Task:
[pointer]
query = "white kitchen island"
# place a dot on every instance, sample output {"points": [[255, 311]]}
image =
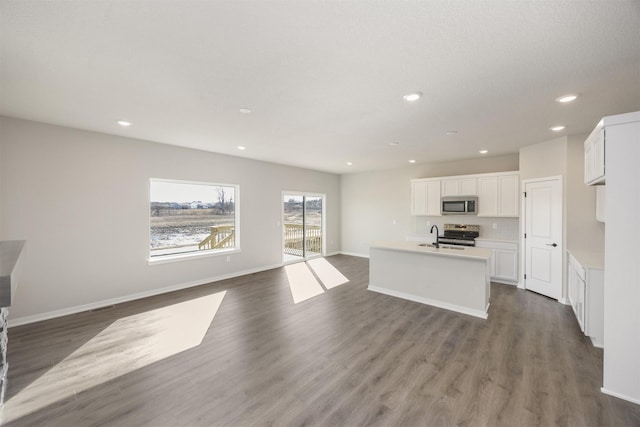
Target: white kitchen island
{"points": [[454, 279]]}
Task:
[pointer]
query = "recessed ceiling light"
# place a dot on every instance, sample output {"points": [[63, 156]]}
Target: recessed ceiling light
{"points": [[566, 98], [412, 97], [412, 161], [349, 163], [123, 123], [483, 151], [245, 110], [557, 128], [451, 132], [241, 147], [394, 144]]}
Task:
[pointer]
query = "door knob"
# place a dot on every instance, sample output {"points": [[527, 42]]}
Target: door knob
{"points": [[552, 244]]}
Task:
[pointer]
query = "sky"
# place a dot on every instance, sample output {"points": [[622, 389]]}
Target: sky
{"points": [[172, 191]]}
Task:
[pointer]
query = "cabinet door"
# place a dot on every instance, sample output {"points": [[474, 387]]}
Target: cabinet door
{"points": [[432, 207], [576, 291], [488, 196], [492, 264], [588, 162], [418, 198], [468, 186], [460, 187], [572, 280], [598, 157], [508, 195], [506, 264], [425, 198], [580, 302], [594, 161], [450, 187]]}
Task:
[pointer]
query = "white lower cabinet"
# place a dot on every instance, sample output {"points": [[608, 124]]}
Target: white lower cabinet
{"points": [[586, 295], [503, 265]]}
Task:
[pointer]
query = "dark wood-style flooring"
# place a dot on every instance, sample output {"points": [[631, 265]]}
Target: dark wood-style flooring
{"points": [[348, 357]]}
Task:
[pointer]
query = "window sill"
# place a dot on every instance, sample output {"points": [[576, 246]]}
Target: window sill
{"points": [[164, 259]]}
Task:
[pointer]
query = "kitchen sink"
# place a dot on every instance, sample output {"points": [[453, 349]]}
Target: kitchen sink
{"points": [[458, 248]]}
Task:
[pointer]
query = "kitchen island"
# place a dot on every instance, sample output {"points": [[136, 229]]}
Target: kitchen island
{"points": [[451, 277]]}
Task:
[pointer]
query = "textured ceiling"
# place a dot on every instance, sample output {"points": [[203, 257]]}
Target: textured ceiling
{"points": [[324, 79]]}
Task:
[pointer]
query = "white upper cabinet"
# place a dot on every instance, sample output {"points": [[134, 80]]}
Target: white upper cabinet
{"points": [[594, 162], [460, 186], [488, 196], [498, 195], [425, 197]]}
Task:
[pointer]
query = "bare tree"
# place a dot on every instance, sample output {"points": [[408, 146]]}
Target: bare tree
{"points": [[221, 198]]}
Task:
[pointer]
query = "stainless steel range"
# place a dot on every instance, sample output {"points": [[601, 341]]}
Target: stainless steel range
{"points": [[460, 234]]}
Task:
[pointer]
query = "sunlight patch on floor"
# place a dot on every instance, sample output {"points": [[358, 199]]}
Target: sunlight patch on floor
{"points": [[127, 344], [302, 283], [327, 273]]}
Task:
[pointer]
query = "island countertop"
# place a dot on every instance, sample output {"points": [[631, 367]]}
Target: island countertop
{"points": [[444, 250], [454, 279]]}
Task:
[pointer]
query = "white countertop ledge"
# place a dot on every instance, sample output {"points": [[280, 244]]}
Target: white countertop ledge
{"points": [[404, 246]]}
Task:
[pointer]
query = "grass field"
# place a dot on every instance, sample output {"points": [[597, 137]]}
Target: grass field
{"points": [[176, 228]]}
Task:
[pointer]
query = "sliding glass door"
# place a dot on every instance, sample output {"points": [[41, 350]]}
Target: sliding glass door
{"points": [[302, 221]]}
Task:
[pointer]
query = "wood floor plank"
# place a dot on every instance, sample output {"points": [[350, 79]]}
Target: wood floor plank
{"points": [[347, 357]]}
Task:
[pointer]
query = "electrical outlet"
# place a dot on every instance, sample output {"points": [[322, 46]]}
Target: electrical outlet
{"points": [[228, 258], [428, 224], [394, 222], [495, 226]]}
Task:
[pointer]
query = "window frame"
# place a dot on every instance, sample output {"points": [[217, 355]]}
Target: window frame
{"points": [[168, 258]]}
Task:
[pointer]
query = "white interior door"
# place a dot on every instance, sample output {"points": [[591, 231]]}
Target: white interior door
{"points": [[543, 237]]}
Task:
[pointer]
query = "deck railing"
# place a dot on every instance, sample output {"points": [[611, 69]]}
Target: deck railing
{"points": [[294, 235], [221, 236]]}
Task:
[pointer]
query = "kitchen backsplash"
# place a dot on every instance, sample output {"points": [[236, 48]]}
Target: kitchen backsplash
{"points": [[506, 228]]}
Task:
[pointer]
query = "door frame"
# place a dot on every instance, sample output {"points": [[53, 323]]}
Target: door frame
{"points": [[523, 221], [324, 223]]}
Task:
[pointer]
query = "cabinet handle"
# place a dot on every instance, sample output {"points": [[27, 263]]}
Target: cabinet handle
{"points": [[552, 244]]}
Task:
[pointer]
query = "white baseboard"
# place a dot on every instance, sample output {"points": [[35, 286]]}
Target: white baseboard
{"points": [[119, 300], [355, 254], [464, 310], [504, 282], [564, 301], [620, 396], [596, 343], [333, 253]]}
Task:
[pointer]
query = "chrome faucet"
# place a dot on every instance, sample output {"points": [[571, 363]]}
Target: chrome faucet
{"points": [[437, 243]]}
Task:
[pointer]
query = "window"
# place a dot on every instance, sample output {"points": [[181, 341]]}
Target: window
{"points": [[192, 217]]}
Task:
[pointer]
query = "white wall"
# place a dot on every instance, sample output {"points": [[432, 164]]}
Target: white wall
{"points": [[372, 201], [564, 156], [81, 200], [583, 231], [548, 158]]}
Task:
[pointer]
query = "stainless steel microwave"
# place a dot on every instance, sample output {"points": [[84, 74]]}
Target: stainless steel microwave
{"points": [[459, 205]]}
